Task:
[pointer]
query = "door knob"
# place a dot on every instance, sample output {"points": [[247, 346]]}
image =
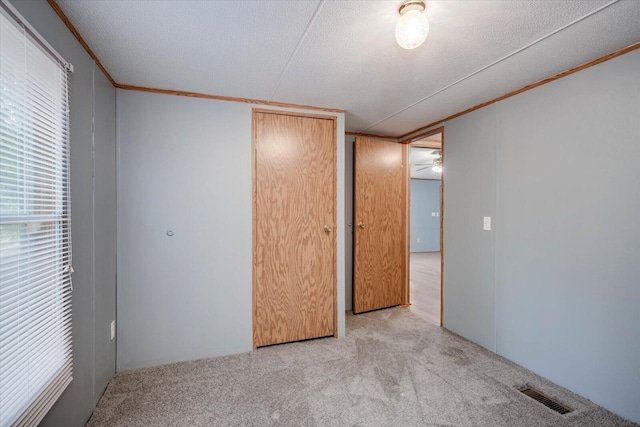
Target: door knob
{"points": [[328, 228], [361, 225]]}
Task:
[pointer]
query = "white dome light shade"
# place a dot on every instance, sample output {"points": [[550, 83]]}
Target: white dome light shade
{"points": [[412, 29]]}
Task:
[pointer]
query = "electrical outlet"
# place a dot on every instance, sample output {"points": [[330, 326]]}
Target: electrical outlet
{"points": [[113, 329], [418, 240]]}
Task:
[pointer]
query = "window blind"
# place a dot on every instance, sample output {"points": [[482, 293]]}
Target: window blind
{"points": [[35, 225]]}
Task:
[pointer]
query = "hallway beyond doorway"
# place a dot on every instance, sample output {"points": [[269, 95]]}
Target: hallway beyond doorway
{"points": [[425, 285]]}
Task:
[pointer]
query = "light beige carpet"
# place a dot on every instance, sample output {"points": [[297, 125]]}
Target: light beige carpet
{"points": [[392, 369]]}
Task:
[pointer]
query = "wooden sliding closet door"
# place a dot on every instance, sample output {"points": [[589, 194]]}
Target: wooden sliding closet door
{"points": [[294, 258]]}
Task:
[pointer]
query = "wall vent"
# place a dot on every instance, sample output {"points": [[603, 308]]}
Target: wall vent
{"points": [[545, 400]]}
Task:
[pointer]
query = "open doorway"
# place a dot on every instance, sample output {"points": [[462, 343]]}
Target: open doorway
{"points": [[425, 227]]}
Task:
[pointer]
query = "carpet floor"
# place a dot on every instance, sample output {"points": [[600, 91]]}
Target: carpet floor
{"points": [[392, 369]]}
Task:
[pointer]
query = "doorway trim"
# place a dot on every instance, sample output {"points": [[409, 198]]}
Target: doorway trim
{"points": [[413, 142]]}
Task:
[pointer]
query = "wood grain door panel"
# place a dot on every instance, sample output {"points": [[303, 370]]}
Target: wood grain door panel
{"points": [[379, 229], [294, 199]]}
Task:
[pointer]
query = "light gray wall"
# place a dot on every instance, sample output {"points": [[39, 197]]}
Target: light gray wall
{"points": [[93, 244], [184, 165], [105, 230], [424, 231], [555, 286], [469, 176]]}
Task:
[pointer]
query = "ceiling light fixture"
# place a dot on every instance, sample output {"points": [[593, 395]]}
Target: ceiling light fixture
{"points": [[413, 28], [437, 165]]}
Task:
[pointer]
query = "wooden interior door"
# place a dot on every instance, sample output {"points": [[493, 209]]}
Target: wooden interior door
{"points": [[294, 257], [379, 278]]}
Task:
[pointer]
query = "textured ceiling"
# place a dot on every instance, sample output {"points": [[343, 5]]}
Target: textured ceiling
{"points": [[342, 54]]}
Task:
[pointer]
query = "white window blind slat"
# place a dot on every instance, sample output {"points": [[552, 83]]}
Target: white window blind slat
{"points": [[34, 245], [36, 382], [17, 305], [19, 259], [14, 293], [46, 355], [39, 409], [43, 260], [14, 297], [13, 172], [16, 335], [43, 127], [43, 151], [24, 245], [42, 353], [35, 233], [39, 135], [47, 360], [34, 165], [18, 311], [32, 219]]}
